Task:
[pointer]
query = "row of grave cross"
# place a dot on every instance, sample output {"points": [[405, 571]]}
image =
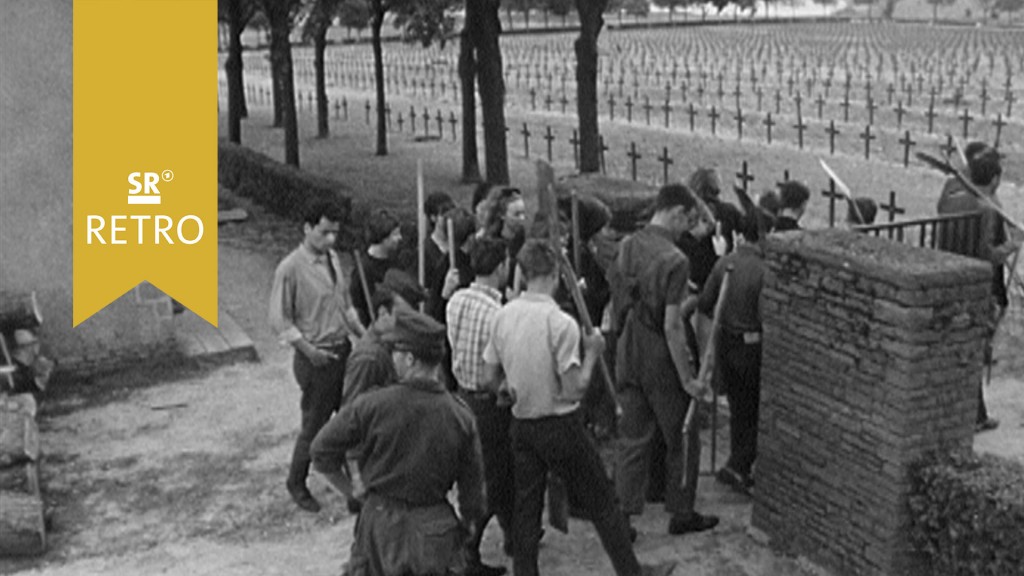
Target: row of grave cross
{"points": [[906, 142], [907, 88], [533, 76], [743, 177]]}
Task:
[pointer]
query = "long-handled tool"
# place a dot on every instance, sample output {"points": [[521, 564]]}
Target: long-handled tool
{"points": [[707, 368]]}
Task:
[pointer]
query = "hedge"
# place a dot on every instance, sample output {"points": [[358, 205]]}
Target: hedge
{"points": [[282, 189], [968, 514]]}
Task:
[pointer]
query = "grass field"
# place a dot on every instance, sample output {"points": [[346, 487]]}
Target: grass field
{"points": [[916, 187]]}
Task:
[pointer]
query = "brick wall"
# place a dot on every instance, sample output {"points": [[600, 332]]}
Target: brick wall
{"points": [[36, 199], [872, 354]]}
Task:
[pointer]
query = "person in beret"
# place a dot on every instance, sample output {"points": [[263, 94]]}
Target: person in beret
{"points": [[414, 441]]}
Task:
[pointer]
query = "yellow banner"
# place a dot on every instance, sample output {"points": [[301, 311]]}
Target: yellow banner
{"points": [[145, 156]]}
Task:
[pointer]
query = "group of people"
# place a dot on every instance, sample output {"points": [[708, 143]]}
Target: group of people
{"points": [[491, 387]]}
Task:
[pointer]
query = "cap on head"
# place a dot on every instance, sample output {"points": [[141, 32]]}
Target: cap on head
{"points": [[404, 285], [417, 333]]}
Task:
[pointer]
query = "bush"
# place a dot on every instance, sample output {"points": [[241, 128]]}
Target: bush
{"points": [[968, 514], [281, 189]]}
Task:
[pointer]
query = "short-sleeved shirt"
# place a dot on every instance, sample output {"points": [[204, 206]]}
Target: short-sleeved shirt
{"points": [[535, 342], [655, 272], [741, 311], [414, 441], [307, 300], [470, 319]]}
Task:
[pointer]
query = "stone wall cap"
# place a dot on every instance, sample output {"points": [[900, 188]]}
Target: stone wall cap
{"points": [[881, 259]]}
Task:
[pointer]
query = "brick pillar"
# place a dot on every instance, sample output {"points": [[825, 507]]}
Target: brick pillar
{"points": [[872, 357]]}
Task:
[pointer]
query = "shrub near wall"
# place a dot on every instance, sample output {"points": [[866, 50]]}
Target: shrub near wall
{"points": [[282, 189], [968, 514]]}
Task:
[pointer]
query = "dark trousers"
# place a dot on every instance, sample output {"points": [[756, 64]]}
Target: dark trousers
{"points": [[321, 396], [493, 423], [656, 407], [740, 366], [560, 444]]}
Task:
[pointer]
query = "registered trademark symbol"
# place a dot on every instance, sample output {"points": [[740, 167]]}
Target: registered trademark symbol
{"points": [[167, 175]]}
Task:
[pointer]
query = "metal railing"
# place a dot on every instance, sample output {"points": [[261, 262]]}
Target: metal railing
{"points": [[959, 233]]}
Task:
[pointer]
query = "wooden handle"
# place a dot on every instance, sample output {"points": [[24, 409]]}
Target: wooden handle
{"points": [[366, 287]]}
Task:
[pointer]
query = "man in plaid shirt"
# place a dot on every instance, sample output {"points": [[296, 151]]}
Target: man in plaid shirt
{"points": [[470, 317]]}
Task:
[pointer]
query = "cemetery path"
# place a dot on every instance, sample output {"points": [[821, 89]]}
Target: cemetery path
{"points": [[180, 471]]}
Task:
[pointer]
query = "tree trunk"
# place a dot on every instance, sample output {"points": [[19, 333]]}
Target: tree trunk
{"points": [[467, 76], [281, 58], [275, 89], [492, 92], [319, 47], [508, 16], [378, 74], [590, 14], [233, 70], [526, 17]]}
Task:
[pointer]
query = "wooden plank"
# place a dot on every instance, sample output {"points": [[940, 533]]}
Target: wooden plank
{"points": [[22, 527], [22, 478], [19, 438], [233, 334]]}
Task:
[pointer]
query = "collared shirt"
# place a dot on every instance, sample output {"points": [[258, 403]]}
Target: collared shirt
{"points": [[470, 316], [535, 342], [655, 272], [741, 311], [414, 440], [369, 367], [305, 302]]}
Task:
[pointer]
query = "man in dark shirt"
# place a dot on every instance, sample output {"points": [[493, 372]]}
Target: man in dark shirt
{"points": [[989, 242], [654, 370], [698, 245], [384, 236], [793, 198], [739, 347], [414, 442], [440, 282]]}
